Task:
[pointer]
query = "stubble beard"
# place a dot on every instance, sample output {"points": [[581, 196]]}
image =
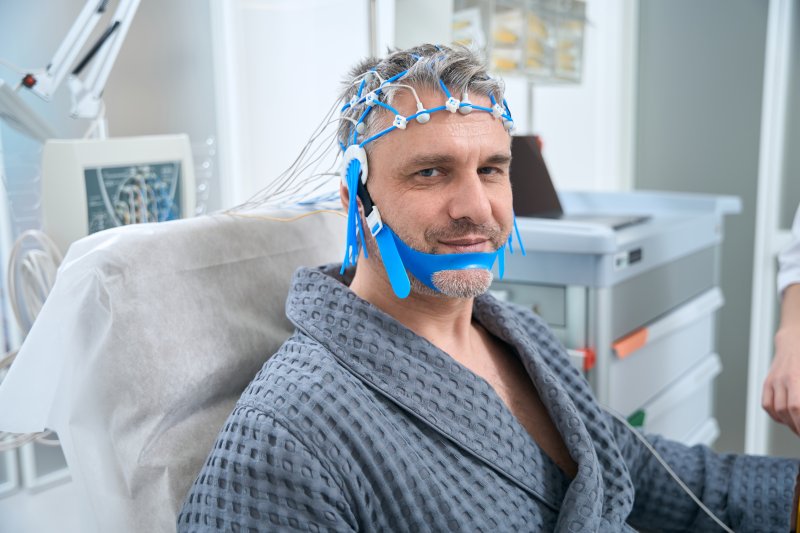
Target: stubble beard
{"points": [[462, 283]]}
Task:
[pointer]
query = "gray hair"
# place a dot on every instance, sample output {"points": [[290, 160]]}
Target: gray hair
{"points": [[459, 68]]}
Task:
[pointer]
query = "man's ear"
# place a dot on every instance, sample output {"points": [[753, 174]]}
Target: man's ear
{"points": [[344, 194]]}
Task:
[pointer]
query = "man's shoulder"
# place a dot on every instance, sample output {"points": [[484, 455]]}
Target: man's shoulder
{"points": [[301, 369]]}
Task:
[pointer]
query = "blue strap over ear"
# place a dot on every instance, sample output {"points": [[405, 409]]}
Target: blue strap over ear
{"points": [[519, 240], [354, 228], [395, 267]]}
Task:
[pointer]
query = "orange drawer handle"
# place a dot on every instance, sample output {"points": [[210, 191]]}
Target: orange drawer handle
{"points": [[630, 343], [589, 358]]}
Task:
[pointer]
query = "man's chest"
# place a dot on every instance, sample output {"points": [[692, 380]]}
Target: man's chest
{"points": [[508, 377]]}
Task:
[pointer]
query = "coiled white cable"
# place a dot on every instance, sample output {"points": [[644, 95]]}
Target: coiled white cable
{"points": [[36, 269], [669, 470]]}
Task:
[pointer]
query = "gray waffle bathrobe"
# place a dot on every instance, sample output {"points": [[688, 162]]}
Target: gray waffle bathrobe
{"points": [[358, 424]]}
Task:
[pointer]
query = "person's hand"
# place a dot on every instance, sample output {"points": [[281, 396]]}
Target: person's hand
{"points": [[781, 393]]}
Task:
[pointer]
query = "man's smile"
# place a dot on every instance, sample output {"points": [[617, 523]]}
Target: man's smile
{"points": [[468, 244]]}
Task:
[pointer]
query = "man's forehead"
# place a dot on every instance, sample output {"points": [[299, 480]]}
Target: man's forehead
{"points": [[442, 156], [451, 145]]}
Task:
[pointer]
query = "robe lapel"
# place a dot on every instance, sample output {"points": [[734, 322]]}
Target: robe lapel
{"points": [[585, 494], [602, 486]]}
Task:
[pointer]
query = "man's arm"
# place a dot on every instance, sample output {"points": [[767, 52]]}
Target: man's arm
{"points": [[781, 393], [260, 476], [748, 493]]}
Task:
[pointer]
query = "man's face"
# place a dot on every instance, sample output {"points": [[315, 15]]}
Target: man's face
{"points": [[444, 187]]}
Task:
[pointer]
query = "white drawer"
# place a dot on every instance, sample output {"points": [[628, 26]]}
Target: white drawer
{"points": [[9, 475], [706, 434], [649, 359], [42, 466], [679, 412]]}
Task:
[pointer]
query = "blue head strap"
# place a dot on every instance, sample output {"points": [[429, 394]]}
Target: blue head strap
{"points": [[397, 256]]}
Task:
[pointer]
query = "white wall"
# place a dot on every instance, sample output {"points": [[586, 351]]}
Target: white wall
{"points": [[700, 90], [279, 67], [422, 21], [587, 129]]}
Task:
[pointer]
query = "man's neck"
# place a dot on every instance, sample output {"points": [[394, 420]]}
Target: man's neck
{"points": [[445, 322]]}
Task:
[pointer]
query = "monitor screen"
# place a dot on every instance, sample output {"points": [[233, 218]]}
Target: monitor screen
{"points": [[90, 185], [534, 193], [130, 194]]}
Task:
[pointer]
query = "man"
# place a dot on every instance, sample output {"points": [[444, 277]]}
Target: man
{"points": [[781, 396], [409, 400]]}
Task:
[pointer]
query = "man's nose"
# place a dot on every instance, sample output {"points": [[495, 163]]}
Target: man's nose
{"points": [[469, 199]]}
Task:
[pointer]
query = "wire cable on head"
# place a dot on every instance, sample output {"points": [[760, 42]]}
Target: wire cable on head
{"points": [[304, 182]]}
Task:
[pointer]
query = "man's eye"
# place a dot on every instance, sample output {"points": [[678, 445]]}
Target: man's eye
{"points": [[429, 173], [488, 170]]}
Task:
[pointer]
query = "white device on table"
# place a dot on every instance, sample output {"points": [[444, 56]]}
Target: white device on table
{"points": [[90, 185]]}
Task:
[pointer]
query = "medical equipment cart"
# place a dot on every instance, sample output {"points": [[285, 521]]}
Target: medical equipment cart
{"points": [[635, 306]]}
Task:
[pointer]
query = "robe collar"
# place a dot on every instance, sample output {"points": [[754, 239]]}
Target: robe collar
{"points": [[460, 405]]}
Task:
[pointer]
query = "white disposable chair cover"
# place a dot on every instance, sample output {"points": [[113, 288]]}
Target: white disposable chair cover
{"points": [[146, 341]]}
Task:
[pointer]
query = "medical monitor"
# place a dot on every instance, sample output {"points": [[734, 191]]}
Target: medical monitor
{"points": [[89, 185], [535, 195]]}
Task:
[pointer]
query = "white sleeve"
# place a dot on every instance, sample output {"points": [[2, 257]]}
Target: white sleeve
{"points": [[789, 259]]}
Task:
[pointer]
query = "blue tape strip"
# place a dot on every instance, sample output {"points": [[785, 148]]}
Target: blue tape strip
{"points": [[395, 270], [354, 229], [508, 110], [444, 88], [378, 135], [519, 237], [501, 264], [387, 106], [395, 77]]}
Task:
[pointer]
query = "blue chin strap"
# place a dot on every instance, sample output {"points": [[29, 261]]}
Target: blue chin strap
{"points": [[397, 256], [424, 265]]}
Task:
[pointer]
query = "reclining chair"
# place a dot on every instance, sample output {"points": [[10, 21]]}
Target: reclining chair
{"points": [[149, 336]]}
